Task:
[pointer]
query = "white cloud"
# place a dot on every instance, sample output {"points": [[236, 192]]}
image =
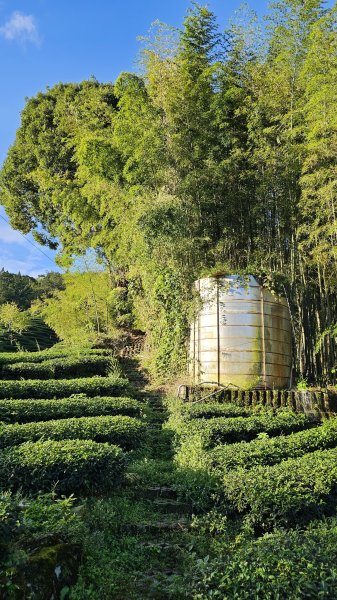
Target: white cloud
{"points": [[20, 27], [17, 254], [10, 236], [28, 261]]}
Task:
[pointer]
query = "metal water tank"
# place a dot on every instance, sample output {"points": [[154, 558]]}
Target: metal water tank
{"points": [[242, 335]]}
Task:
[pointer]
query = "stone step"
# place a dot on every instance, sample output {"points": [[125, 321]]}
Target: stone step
{"points": [[156, 527], [160, 492], [172, 506], [162, 545], [157, 492]]}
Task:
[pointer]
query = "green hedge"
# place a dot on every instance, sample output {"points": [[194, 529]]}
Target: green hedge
{"points": [[25, 411], [77, 467], [7, 358], [36, 535], [58, 368], [285, 565], [272, 451], [94, 386], [292, 491], [223, 430], [126, 432], [38, 336], [213, 409]]}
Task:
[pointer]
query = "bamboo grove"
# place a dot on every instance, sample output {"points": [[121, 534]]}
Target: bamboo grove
{"points": [[219, 154]]}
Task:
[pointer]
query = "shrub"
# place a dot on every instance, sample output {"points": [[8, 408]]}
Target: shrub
{"points": [[272, 451], [223, 430], [94, 386], [56, 352], [295, 490], [31, 531], [213, 409], [282, 565], [73, 466], [126, 432], [25, 411], [58, 368]]}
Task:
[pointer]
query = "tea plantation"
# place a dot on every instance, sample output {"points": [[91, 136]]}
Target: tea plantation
{"points": [[112, 491]]}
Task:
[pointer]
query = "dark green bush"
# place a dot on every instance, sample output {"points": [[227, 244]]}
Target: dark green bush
{"points": [[285, 565], [223, 430], [38, 536], [58, 368], [213, 409], [79, 467], [271, 451], [25, 411], [56, 352], [93, 386], [292, 491], [126, 432]]}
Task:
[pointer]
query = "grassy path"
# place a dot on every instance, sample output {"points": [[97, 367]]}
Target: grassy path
{"points": [[164, 535], [139, 538]]}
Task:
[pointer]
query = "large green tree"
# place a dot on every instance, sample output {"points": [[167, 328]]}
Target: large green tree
{"points": [[219, 155]]}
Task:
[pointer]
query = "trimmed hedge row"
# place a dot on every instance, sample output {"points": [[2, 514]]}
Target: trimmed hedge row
{"points": [[223, 430], [36, 388], [58, 368], [213, 409], [126, 432], [272, 451], [73, 466], [285, 565], [292, 491], [26, 411], [37, 357]]}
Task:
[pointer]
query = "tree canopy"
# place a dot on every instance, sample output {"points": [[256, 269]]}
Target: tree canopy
{"points": [[220, 155]]}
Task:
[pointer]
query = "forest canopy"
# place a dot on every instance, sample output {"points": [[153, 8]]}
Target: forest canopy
{"points": [[220, 154]]}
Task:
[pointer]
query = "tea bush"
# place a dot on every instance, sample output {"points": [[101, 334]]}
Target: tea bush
{"points": [[36, 536], [292, 491], [224, 430], [213, 409], [126, 432], [93, 386], [271, 451], [282, 565], [25, 411], [79, 467], [58, 368], [56, 352]]}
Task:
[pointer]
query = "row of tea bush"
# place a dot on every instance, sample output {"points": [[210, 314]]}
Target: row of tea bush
{"points": [[126, 432], [58, 368], [61, 388], [78, 405]]}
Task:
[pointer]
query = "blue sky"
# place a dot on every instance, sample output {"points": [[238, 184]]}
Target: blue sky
{"points": [[43, 42]]}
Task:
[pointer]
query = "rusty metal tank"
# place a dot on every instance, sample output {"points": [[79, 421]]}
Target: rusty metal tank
{"points": [[242, 335]]}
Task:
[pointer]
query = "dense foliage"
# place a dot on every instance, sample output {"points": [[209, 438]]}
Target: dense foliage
{"points": [[35, 534], [222, 430], [285, 565], [220, 156], [57, 352], [88, 309], [256, 533], [59, 388], [23, 290], [296, 490], [268, 451], [213, 409], [26, 411], [123, 431], [58, 368], [19, 327], [72, 466]]}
